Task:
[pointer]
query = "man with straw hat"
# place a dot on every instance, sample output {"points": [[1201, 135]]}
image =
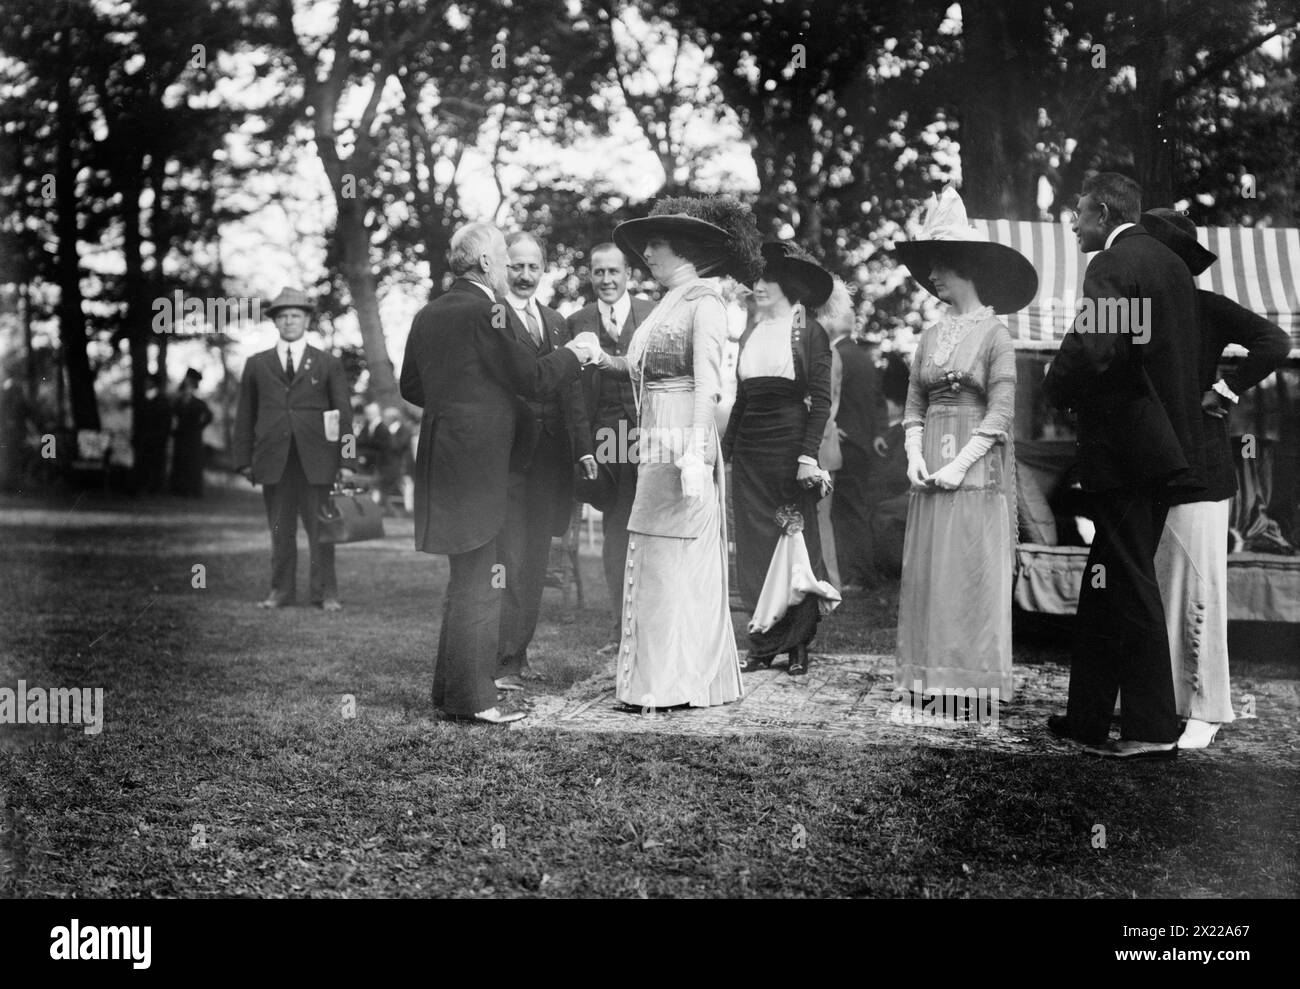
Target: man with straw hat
{"points": [[292, 399]]}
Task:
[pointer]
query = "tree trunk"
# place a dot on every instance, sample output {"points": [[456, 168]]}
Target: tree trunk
{"points": [[437, 242], [138, 315], [1152, 120], [72, 321], [997, 113], [353, 238]]}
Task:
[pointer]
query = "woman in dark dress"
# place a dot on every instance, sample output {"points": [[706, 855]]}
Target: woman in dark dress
{"points": [[783, 400], [192, 417]]}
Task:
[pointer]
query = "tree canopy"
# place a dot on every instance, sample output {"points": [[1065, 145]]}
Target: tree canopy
{"points": [[147, 144]]}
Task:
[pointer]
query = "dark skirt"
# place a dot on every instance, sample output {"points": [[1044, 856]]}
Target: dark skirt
{"points": [[764, 467], [187, 463]]}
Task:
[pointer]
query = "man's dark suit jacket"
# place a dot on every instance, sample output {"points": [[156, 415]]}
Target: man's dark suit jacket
{"points": [[272, 409], [862, 413], [465, 367], [1138, 405], [1224, 322], [561, 412], [609, 399]]}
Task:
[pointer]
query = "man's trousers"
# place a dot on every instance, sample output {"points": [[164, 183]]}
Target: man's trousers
{"points": [[287, 501], [1122, 644]]}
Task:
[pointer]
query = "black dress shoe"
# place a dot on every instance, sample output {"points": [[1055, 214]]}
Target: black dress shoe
{"points": [[755, 663], [798, 661], [1130, 749], [1059, 725]]}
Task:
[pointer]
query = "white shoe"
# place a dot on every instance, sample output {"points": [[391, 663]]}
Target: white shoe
{"points": [[1198, 734], [494, 716]]}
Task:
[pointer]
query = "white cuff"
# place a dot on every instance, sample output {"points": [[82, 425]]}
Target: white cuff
{"points": [[1225, 391]]}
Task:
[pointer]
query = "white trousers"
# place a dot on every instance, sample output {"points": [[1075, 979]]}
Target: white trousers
{"points": [[1192, 568]]}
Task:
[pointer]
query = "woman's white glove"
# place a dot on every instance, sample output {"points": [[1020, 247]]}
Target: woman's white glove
{"points": [[696, 475], [950, 475], [916, 472]]}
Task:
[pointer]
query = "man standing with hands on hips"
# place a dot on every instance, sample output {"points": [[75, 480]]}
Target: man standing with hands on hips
{"points": [[611, 411], [292, 400]]}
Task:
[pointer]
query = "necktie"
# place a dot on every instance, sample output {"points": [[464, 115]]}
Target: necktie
{"points": [[533, 328], [288, 361], [611, 324]]}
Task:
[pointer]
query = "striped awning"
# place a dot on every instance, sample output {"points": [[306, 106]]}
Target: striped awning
{"points": [[1258, 267]]}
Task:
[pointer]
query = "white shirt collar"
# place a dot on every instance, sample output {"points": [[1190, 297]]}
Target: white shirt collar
{"points": [[297, 348], [1115, 233], [621, 308], [520, 304], [483, 288]]}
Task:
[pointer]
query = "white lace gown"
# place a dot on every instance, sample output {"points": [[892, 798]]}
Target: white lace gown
{"points": [[678, 645]]}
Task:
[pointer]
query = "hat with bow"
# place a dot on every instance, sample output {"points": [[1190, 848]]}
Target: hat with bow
{"points": [[1007, 281]]}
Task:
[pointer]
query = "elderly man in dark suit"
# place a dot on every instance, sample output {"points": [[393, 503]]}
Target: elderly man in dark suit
{"points": [[292, 400], [611, 412], [465, 367], [1129, 369], [551, 437]]}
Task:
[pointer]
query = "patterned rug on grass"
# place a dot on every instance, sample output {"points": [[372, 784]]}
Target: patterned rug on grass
{"points": [[852, 697]]}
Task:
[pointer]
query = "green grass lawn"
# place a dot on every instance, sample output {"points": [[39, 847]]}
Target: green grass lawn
{"points": [[226, 766]]}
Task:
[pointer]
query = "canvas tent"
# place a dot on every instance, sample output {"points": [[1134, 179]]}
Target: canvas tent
{"points": [[1259, 268]]}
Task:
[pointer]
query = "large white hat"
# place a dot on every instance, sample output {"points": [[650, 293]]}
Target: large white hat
{"points": [[1007, 279]]}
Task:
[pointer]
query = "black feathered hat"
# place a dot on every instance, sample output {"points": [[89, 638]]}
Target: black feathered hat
{"points": [[786, 256], [723, 224]]}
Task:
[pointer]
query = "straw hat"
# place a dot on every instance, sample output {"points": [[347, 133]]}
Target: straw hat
{"points": [[1008, 281], [291, 298]]}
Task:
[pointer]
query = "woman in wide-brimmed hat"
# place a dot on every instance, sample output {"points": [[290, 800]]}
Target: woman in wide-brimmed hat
{"points": [[1192, 558], [677, 645], [954, 610], [783, 399]]}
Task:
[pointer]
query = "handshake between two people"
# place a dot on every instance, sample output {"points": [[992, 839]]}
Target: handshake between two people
{"points": [[587, 349]]}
